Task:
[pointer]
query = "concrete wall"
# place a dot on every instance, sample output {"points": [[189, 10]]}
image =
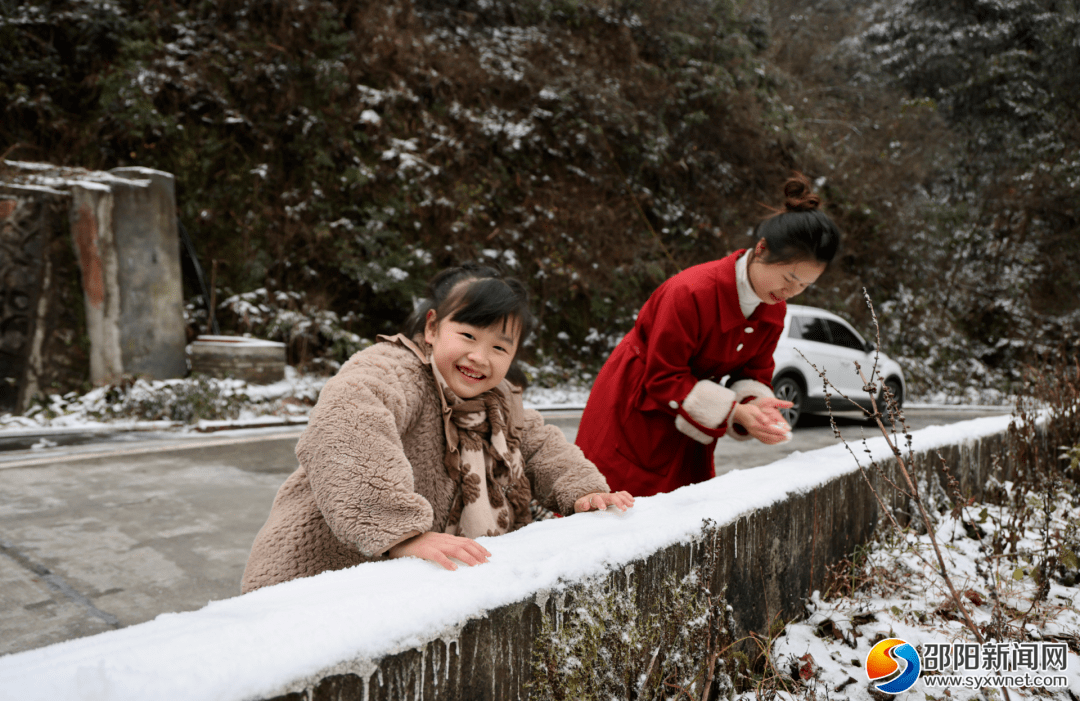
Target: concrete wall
{"points": [[770, 560], [41, 319], [23, 231]]}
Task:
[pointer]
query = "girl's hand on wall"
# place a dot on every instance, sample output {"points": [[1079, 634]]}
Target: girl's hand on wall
{"points": [[762, 420], [601, 500], [439, 548]]}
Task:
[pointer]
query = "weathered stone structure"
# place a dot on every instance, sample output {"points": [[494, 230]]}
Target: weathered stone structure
{"points": [[116, 232], [250, 359], [42, 324]]}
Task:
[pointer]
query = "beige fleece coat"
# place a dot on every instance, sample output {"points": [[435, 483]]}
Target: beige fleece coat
{"points": [[371, 470]]}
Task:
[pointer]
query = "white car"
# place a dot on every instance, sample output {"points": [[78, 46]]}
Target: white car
{"points": [[832, 345]]}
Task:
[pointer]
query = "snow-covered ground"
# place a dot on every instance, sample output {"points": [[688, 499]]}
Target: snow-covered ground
{"points": [[901, 595], [163, 404], [174, 405], [282, 638]]}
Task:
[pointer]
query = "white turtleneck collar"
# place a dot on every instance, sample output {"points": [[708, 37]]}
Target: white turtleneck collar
{"points": [[748, 299]]}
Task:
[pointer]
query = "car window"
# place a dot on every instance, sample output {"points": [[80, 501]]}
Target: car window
{"points": [[810, 328], [843, 336]]}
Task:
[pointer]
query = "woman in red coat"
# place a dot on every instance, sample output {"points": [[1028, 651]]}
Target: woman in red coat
{"points": [[657, 406]]}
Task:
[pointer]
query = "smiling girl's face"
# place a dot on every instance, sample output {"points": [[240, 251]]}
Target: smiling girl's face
{"points": [[471, 359]]}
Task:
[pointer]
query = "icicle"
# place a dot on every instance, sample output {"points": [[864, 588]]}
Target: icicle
{"points": [[542, 599], [448, 644], [423, 668], [447, 641], [435, 660], [559, 599]]}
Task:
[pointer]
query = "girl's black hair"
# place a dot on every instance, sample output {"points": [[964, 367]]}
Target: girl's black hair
{"points": [[480, 295], [800, 231]]}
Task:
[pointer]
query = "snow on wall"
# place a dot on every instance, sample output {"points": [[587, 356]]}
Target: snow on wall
{"points": [[285, 638], [63, 178]]}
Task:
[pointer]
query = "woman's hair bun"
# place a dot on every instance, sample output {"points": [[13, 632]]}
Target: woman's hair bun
{"points": [[798, 197], [800, 230]]}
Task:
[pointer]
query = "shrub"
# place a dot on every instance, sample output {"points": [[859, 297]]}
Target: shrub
{"points": [[604, 642], [186, 401]]}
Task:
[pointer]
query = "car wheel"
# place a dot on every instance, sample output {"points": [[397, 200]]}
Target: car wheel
{"points": [[789, 390], [897, 392]]}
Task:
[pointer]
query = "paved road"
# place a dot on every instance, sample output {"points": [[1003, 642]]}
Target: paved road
{"points": [[106, 532]]}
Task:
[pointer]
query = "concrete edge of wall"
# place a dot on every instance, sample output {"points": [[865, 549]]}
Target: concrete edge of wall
{"points": [[769, 562]]}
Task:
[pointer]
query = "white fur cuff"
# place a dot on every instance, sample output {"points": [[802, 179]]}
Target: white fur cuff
{"points": [[688, 428], [709, 404], [751, 388]]}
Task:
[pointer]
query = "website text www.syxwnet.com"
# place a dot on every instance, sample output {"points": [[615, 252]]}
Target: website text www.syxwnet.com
{"points": [[977, 681]]}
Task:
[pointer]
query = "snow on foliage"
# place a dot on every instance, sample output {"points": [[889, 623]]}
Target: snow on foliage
{"points": [[182, 404], [889, 592], [600, 146]]}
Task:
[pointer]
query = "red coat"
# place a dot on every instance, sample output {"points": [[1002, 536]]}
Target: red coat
{"points": [[690, 329]]}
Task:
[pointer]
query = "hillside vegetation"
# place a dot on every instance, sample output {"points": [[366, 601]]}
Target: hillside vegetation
{"points": [[331, 156]]}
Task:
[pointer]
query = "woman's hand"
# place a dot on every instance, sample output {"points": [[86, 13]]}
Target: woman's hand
{"points": [[601, 500], [762, 419], [439, 548]]}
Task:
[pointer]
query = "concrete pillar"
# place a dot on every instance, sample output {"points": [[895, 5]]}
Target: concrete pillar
{"points": [[149, 326], [92, 235]]}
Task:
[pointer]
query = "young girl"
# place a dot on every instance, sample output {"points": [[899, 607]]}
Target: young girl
{"points": [[419, 445], [657, 408]]}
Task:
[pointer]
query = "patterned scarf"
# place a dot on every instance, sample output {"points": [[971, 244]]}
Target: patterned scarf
{"points": [[483, 454]]}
